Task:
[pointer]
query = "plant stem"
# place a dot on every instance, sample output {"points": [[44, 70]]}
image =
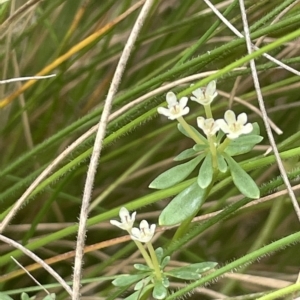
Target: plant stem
{"points": [[154, 261], [188, 129]]}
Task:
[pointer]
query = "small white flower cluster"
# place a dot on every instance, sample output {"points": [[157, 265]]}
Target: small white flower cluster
{"points": [[144, 234], [231, 125]]}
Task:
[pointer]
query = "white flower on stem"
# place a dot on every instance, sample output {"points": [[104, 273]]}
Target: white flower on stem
{"points": [[175, 108], [209, 126], [126, 220], [234, 127], [205, 96], [143, 234]]}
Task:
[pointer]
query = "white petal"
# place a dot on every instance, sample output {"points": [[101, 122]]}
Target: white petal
{"points": [[198, 93], [171, 99], [200, 122], [211, 89], [247, 128], [124, 213], [163, 111], [242, 118], [144, 224], [233, 135], [118, 224], [185, 111], [152, 229], [229, 117], [223, 125], [183, 102]]}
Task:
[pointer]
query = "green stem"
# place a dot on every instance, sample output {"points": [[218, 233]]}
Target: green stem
{"points": [[282, 292], [208, 112], [223, 146], [213, 151], [145, 254], [154, 261], [188, 129]]}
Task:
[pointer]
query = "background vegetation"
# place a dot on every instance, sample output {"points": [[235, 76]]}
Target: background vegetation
{"points": [[81, 41]]}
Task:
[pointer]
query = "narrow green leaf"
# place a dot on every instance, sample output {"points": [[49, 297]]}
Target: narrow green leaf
{"points": [[134, 296], [184, 205], [5, 297], [24, 296], [139, 294], [193, 271], [188, 153], [128, 279], [199, 147], [165, 262], [241, 179], [243, 144], [50, 297], [141, 267], [142, 283], [159, 254], [175, 174], [222, 165], [182, 274], [256, 129], [206, 172], [200, 136], [165, 281], [159, 291]]}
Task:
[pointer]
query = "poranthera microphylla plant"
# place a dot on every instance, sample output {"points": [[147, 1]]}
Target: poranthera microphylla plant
{"points": [[222, 139], [152, 276]]}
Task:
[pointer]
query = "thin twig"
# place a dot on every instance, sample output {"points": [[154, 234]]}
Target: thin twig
{"points": [[264, 112], [236, 32], [25, 78], [38, 260], [98, 147], [29, 275]]}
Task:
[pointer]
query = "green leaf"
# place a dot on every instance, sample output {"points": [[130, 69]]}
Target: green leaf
{"points": [[184, 205], [128, 279], [199, 147], [139, 294], [175, 174], [242, 180], [24, 296], [199, 135], [165, 281], [159, 254], [222, 165], [188, 153], [159, 291], [141, 267], [165, 261], [206, 172], [256, 129], [242, 144], [134, 296], [142, 283], [50, 297], [219, 136], [5, 297], [191, 272]]}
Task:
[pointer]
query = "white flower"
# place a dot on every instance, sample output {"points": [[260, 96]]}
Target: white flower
{"points": [[233, 126], [175, 109], [143, 234], [209, 126], [205, 96], [126, 220]]}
